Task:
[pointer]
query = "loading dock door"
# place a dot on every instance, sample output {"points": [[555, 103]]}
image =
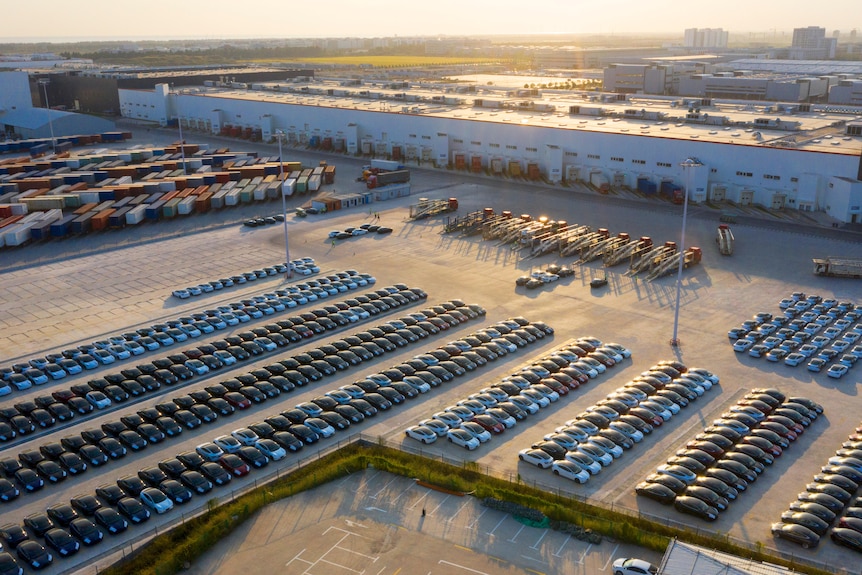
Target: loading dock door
{"points": [[778, 201], [746, 197]]}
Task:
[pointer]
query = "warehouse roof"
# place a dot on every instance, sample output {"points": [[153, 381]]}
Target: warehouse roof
{"points": [[742, 122], [32, 118], [684, 559], [804, 67]]}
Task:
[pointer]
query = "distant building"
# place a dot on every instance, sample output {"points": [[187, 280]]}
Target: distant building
{"points": [[705, 38], [848, 92], [811, 43], [741, 86]]}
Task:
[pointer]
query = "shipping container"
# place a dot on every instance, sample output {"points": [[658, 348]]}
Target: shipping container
{"points": [[99, 221], [82, 224], [61, 227], [186, 206], [118, 218], [153, 211], [314, 183], [136, 215]]}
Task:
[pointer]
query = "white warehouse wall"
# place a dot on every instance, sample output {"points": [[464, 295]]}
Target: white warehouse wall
{"points": [[759, 172]]}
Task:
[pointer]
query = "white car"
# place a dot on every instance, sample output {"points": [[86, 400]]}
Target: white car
{"points": [[181, 294], [227, 443], [525, 403], [584, 461], [156, 500], [450, 419], [571, 471], [209, 451], [536, 457], [595, 452], [98, 399], [564, 440], [271, 449], [836, 371], [225, 356], [460, 411], [421, 433], [245, 436], [436, 426], [621, 349], [794, 359], [476, 431], [536, 397], [629, 431], [462, 438], [705, 373], [623, 566]]}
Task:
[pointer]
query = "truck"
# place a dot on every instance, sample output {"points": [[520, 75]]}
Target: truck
{"points": [[383, 178], [386, 165], [600, 182], [427, 208], [724, 240], [671, 191], [838, 267]]}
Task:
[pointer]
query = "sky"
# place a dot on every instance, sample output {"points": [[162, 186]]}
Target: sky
{"points": [[66, 20]]}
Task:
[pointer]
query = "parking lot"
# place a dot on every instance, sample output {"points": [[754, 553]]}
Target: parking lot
{"points": [[106, 284]]}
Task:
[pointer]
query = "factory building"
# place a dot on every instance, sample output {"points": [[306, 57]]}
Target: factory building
{"points": [[778, 156]]}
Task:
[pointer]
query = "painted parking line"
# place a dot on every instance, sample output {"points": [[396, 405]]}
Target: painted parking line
{"points": [[478, 517], [491, 532], [536, 544], [454, 515], [518, 532], [438, 506], [584, 554], [568, 538], [385, 486], [400, 495], [610, 558], [420, 500], [322, 560], [468, 569]]}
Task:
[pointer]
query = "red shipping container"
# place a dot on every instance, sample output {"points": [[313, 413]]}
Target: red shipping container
{"points": [[100, 220]]}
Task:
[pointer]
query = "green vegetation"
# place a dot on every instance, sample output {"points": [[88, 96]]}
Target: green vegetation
{"points": [[168, 553]]}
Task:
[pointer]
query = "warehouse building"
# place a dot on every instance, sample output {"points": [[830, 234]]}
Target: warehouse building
{"points": [[686, 559], [790, 156], [20, 119]]}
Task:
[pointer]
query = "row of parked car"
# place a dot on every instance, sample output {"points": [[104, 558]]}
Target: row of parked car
{"points": [[121, 347], [723, 460], [549, 275], [53, 462], [812, 330], [362, 230], [303, 266], [473, 419], [174, 481], [25, 417], [836, 486], [582, 446]]}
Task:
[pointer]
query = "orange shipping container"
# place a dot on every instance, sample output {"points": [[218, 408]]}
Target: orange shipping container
{"points": [[10, 220], [100, 220], [85, 208]]}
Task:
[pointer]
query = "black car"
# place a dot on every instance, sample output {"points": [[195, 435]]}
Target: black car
{"points": [[29, 480], [112, 521], [696, 507], [133, 510], [215, 473], [304, 433], [85, 531], [847, 537], [85, 504], [131, 485], [176, 491], [656, 492], [34, 555], [132, 440], [152, 476], [194, 481], [110, 493], [8, 491], [12, 534], [113, 448], [191, 459], [62, 514], [62, 542], [187, 419], [253, 456], [38, 524], [93, 455]]}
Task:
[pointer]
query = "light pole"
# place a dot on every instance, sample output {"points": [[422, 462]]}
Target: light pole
{"points": [[688, 166], [44, 83], [279, 134], [182, 143]]}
